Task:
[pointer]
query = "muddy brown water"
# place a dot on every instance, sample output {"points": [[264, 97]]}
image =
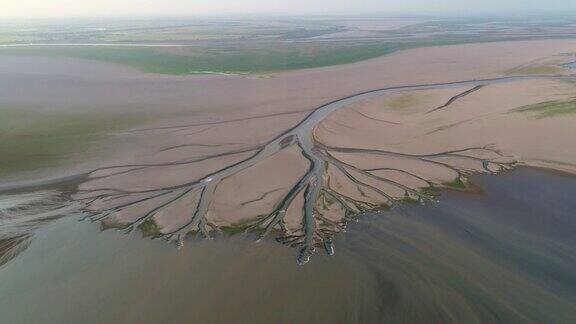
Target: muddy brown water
{"points": [[507, 255]]}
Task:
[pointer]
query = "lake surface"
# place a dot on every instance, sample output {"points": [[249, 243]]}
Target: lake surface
{"points": [[507, 255]]}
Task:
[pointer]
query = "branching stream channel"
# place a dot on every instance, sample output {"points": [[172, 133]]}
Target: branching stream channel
{"points": [[323, 208]]}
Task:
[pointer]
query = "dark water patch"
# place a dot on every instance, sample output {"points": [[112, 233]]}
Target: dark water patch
{"points": [[508, 256]]}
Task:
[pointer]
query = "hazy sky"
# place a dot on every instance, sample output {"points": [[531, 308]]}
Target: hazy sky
{"points": [[35, 8]]}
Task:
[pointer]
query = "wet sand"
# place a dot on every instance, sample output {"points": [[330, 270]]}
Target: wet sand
{"points": [[429, 121], [504, 256]]}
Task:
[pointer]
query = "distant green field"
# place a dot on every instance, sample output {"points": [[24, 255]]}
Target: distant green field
{"points": [[271, 57], [30, 138], [259, 44], [229, 59], [226, 59]]}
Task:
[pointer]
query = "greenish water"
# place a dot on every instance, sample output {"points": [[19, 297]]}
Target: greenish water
{"points": [[506, 256], [32, 138]]}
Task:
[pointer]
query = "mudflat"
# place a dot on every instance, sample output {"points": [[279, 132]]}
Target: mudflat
{"points": [[299, 154]]}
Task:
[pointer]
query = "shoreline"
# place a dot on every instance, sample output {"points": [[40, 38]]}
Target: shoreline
{"points": [[66, 185]]}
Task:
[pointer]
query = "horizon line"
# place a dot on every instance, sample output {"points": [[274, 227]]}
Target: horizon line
{"points": [[381, 14]]}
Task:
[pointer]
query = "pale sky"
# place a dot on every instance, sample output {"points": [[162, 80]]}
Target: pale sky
{"points": [[55, 8]]}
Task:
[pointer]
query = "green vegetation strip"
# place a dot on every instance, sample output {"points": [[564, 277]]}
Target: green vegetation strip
{"points": [[190, 60], [548, 109], [456, 184], [240, 59]]}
